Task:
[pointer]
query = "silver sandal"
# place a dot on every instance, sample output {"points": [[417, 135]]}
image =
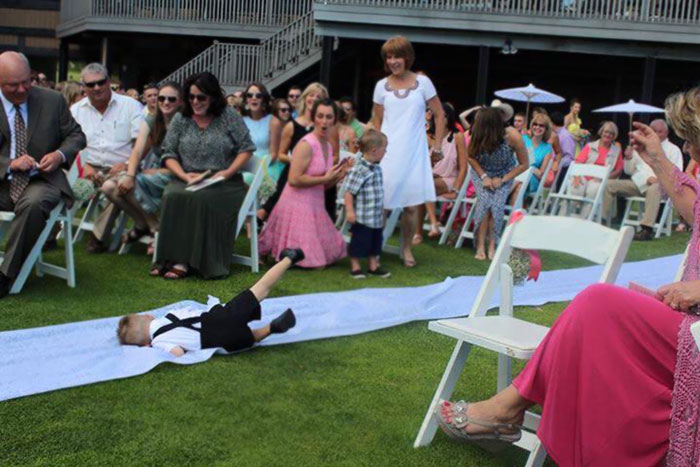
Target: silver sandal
{"points": [[455, 428]]}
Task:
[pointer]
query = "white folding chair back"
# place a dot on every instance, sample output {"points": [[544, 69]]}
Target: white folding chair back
{"points": [[634, 211], [511, 337], [554, 200], [34, 259], [524, 179], [248, 211], [458, 206], [538, 197]]}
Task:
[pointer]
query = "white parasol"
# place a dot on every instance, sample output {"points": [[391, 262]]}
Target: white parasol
{"points": [[529, 94], [631, 107]]}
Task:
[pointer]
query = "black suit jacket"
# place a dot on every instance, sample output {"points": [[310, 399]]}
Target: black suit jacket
{"points": [[51, 127]]}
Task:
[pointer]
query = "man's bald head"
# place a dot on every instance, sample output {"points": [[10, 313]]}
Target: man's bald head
{"points": [[15, 77], [660, 127]]}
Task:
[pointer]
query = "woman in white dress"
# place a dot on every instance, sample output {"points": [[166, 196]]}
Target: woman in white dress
{"points": [[400, 102]]}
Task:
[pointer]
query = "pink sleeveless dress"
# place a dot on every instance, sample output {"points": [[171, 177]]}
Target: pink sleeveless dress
{"points": [[300, 220], [618, 377], [447, 168]]}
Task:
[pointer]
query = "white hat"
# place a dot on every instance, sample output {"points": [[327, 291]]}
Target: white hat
{"points": [[506, 109]]}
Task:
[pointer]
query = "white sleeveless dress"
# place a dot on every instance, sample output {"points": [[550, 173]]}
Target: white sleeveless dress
{"points": [[408, 177]]}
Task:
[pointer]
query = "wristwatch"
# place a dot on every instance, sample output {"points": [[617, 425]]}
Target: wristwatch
{"points": [[484, 175]]}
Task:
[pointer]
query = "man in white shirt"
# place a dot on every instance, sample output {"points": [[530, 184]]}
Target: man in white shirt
{"points": [[643, 182], [111, 123]]}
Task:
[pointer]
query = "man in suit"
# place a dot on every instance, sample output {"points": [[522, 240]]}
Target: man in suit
{"points": [[38, 136]]}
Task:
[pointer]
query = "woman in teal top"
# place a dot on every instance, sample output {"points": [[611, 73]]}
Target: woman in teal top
{"points": [[258, 119], [538, 149]]}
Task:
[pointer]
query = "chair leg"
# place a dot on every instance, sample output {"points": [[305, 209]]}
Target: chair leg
{"points": [[450, 220], [254, 256], [537, 455], [89, 214], [117, 235], [444, 390], [68, 245]]}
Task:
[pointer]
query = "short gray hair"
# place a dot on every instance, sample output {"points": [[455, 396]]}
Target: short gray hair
{"points": [[96, 68], [608, 125]]}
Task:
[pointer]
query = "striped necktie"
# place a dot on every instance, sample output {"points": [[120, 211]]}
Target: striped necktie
{"points": [[19, 180]]}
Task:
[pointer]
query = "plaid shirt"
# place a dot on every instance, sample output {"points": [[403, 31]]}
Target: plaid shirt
{"points": [[364, 182]]}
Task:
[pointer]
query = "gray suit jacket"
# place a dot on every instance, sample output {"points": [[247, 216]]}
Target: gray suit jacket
{"points": [[51, 127]]}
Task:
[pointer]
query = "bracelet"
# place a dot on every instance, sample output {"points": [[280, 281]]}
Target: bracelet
{"points": [[129, 175], [484, 175]]}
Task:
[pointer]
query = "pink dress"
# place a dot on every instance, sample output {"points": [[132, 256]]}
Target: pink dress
{"points": [[604, 376], [447, 168], [300, 220]]}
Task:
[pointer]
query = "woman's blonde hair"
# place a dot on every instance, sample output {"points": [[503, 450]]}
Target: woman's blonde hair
{"points": [[372, 139], [400, 47], [72, 92], [318, 88], [608, 125], [544, 120], [683, 113]]}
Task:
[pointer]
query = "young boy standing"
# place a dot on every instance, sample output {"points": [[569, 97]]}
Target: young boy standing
{"points": [[224, 326], [364, 205]]}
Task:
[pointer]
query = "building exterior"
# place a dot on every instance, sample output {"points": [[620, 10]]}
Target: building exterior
{"points": [[602, 51], [29, 26]]}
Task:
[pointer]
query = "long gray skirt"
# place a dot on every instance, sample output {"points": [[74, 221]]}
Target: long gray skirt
{"points": [[198, 228]]}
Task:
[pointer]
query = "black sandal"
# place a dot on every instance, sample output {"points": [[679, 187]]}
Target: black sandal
{"points": [[134, 235]]}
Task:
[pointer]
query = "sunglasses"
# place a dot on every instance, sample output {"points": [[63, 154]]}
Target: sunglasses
{"points": [[257, 95], [171, 99], [538, 125], [92, 84], [294, 96], [199, 97], [284, 109]]}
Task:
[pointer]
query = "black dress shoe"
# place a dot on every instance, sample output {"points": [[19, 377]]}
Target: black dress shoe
{"points": [[295, 254], [5, 285], [644, 235], [95, 246]]}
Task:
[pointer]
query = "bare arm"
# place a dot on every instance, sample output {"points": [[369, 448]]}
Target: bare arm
{"points": [[462, 162], [648, 146], [174, 166], [238, 162], [300, 162], [275, 137], [515, 141], [349, 207], [285, 143], [177, 351], [435, 105], [377, 116], [141, 147]]}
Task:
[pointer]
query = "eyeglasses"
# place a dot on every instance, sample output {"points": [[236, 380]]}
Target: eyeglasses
{"points": [[538, 125], [171, 99], [294, 96], [92, 84], [199, 97], [257, 95], [284, 109]]}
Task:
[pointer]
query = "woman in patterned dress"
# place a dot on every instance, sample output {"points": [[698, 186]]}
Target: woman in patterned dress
{"points": [[490, 153]]}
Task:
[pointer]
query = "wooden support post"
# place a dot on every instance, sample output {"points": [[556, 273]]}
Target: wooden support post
{"points": [[326, 59], [482, 75]]}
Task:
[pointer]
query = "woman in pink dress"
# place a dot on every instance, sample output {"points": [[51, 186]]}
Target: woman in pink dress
{"points": [[619, 370], [299, 219]]}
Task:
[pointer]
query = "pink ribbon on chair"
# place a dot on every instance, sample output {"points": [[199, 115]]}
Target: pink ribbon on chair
{"points": [[535, 259]]}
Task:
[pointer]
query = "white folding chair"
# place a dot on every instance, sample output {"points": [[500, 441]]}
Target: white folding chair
{"points": [[248, 211], [634, 211], [60, 213], [92, 212], [538, 196], [511, 337], [459, 204], [552, 204], [524, 179]]}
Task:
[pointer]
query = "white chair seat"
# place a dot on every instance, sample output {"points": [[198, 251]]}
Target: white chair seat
{"points": [[502, 334]]}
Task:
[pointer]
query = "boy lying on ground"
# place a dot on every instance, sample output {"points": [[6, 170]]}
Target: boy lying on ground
{"points": [[224, 326]]}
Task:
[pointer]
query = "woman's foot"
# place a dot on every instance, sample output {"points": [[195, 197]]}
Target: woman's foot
{"points": [[151, 248], [492, 250], [179, 271], [481, 418], [157, 270], [480, 254], [434, 231], [417, 239], [680, 227], [408, 260]]}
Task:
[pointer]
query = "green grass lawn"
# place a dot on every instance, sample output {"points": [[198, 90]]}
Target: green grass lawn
{"points": [[350, 401]]}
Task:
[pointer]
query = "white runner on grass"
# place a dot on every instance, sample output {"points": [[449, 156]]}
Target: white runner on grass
{"points": [[38, 360]]}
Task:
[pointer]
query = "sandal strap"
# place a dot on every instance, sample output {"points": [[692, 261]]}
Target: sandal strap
{"points": [[461, 420]]}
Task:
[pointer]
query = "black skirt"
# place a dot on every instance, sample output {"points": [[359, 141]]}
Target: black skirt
{"points": [[226, 326]]}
